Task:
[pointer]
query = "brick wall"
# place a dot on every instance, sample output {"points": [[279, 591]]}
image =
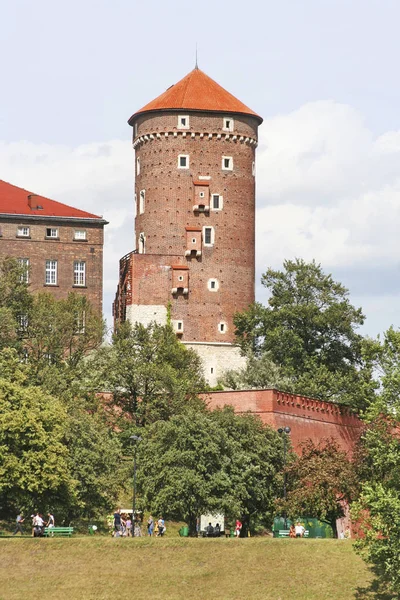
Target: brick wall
{"points": [[65, 250], [307, 417]]}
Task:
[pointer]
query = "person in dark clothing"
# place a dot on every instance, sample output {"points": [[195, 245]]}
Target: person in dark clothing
{"points": [[217, 530], [18, 527], [117, 521], [210, 530]]}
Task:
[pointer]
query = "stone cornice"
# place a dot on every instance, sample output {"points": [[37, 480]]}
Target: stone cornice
{"points": [[227, 137]]}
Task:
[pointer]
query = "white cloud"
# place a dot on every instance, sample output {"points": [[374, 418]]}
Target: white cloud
{"points": [[326, 189]]}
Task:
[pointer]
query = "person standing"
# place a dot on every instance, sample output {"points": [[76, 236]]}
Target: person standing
{"points": [[128, 526], [51, 521], [238, 527], [161, 527], [117, 522], [150, 526], [19, 521]]}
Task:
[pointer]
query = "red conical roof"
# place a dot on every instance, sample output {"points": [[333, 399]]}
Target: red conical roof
{"points": [[197, 91]]}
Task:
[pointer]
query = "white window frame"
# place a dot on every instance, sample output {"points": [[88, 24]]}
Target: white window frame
{"points": [[24, 264], [80, 234], [177, 326], [253, 168], [23, 231], [79, 273], [208, 245], [186, 125], [210, 282], [222, 327], [180, 278], [22, 322], [202, 195], [229, 127], [51, 273], [142, 201], [80, 322], [187, 161], [138, 165], [230, 167], [53, 232], [221, 202], [136, 211]]}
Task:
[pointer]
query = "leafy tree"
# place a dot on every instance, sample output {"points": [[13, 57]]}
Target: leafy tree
{"points": [[385, 355], [33, 458], [215, 462], [15, 301], [320, 482], [378, 508], [308, 316], [150, 373], [58, 337], [305, 341]]}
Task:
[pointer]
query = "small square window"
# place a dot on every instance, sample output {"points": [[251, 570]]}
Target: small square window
{"points": [[180, 277], [180, 325], [213, 285], [183, 122], [201, 194], [193, 240], [228, 124], [183, 161], [80, 234], [227, 163], [222, 327], [51, 232], [23, 232]]}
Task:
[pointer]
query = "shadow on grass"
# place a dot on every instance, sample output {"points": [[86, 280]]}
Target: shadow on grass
{"points": [[376, 590]]}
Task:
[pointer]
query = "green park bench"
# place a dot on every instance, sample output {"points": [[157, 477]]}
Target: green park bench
{"points": [[285, 533], [58, 531]]}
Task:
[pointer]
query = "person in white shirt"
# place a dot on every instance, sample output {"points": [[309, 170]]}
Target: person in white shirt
{"points": [[299, 529]]}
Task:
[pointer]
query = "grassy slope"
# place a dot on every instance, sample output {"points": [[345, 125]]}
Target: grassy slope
{"points": [[104, 568]]}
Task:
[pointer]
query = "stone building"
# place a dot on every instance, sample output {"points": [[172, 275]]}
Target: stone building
{"points": [[195, 149], [60, 246]]}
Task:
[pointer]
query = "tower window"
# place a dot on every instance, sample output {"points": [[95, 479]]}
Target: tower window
{"points": [[208, 236], [180, 277], [136, 129], [142, 197], [194, 240], [228, 124], [227, 163], [213, 285], [183, 122], [183, 161], [138, 166], [222, 328], [253, 168], [201, 194], [216, 202], [135, 207]]}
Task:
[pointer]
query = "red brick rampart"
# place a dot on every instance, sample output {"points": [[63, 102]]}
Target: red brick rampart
{"points": [[308, 418]]}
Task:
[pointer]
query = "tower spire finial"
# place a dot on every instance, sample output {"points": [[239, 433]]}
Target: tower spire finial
{"points": [[196, 65]]}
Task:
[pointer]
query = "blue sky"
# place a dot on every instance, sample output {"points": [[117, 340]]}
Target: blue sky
{"points": [[323, 74]]}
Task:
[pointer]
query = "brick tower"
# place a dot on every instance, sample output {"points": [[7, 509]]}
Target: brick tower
{"points": [[195, 218]]}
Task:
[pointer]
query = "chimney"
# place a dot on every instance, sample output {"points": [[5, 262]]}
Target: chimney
{"points": [[30, 196]]}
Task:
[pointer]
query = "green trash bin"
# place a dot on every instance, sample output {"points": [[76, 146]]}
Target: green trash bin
{"points": [[91, 530], [232, 533], [184, 531]]}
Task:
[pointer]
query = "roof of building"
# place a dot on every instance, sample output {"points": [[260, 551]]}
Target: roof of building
{"points": [[197, 91], [17, 201]]}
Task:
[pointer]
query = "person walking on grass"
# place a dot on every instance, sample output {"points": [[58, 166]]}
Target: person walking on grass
{"points": [[238, 527], [150, 526], [19, 521]]}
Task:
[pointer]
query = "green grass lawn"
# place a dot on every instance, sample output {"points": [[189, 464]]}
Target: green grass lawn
{"points": [[102, 568]]}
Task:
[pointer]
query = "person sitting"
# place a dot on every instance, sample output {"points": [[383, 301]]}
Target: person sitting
{"points": [[292, 531], [217, 530], [210, 530]]}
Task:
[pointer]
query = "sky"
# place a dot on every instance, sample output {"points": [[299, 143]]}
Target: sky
{"points": [[322, 73]]}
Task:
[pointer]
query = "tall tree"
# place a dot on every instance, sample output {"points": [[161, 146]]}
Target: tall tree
{"points": [[215, 462], [321, 481], [378, 508], [15, 301], [151, 374]]}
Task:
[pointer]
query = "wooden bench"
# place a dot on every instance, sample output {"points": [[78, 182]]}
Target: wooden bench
{"points": [[58, 531], [285, 533]]}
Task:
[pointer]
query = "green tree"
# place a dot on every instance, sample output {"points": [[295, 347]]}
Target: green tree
{"points": [[215, 462], [378, 507], [150, 373], [33, 457], [260, 372], [306, 338], [15, 301], [321, 481]]}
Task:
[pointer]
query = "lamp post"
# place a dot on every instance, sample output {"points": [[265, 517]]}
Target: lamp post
{"points": [[286, 431], [135, 439]]}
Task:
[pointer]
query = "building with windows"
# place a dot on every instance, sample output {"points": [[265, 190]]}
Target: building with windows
{"points": [[195, 149], [60, 246]]}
